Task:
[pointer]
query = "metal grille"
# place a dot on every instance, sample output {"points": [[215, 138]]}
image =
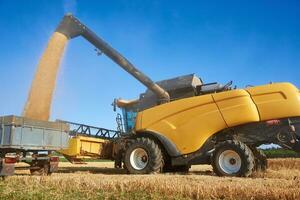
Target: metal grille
{"points": [[91, 131]]}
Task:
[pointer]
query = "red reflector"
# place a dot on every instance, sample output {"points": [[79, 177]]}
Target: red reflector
{"points": [[273, 122], [54, 159], [9, 160]]}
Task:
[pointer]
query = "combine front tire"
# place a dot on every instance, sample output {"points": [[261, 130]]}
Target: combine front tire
{"points": [[143, 156], [233, 158]]}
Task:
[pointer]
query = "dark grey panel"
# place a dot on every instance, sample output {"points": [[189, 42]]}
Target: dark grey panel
{"points": [[178, 88]]}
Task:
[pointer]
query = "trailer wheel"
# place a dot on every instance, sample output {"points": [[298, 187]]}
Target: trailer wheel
{"points": [[233, 158], [143, 156], [40, 168], [261, 162]]}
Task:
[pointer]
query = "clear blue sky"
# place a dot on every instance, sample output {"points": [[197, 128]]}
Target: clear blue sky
{"points": [[249, 42]]}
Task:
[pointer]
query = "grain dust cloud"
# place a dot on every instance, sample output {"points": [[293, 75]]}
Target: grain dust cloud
{"points": [[39, 100]]}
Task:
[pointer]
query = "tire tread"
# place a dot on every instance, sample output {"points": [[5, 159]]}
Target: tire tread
{"points": [[249, 161]]}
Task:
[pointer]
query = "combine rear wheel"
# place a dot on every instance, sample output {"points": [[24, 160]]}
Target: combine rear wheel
{"points": [[143, 156], [233, 158], [261, 162]]}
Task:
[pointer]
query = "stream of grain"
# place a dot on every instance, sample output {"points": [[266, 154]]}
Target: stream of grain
{"points": [[39, 100]]}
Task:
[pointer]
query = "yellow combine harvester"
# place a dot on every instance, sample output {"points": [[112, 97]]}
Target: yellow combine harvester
{"points": [[182, 121]]}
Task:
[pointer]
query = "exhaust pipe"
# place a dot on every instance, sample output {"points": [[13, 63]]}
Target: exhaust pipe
{"points": [[72, 27]]}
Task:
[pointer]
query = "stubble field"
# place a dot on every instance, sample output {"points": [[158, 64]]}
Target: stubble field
{"points": [[98, 180]]}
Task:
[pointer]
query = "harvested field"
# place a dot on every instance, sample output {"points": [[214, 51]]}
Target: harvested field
{"points": [[98, 180]]}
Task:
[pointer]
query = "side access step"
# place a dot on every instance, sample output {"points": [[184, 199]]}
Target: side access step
{"points": [[74, 160]]}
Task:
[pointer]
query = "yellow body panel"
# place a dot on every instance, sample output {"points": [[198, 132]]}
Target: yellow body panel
{"points": [[276, 100], [236, 107], [182, 121], [189, 122], [84, 146]]}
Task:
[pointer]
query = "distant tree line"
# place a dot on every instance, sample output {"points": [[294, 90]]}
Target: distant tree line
{"points": [[280, 153]]}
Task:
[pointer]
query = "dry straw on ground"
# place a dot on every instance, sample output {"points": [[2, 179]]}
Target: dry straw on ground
{"points": [[98, 181]]}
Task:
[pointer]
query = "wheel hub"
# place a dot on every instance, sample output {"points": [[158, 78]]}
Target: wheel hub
{"points": [[139, 158], [230, 161], [144, 158]]}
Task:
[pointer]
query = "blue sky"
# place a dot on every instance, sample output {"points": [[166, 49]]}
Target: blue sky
{"points": [[249, 42]]}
